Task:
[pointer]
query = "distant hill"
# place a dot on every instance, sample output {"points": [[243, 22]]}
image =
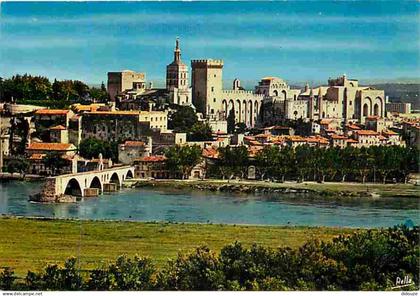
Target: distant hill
{"points": [[402, 92]]}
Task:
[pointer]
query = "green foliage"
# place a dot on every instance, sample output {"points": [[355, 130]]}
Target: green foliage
{"points": [[240, 128], [199, 270], [56, 278], [7, 278], [320, 164], [38, 90], [231, 122], [364, 260], [125, 275], [182, 159], [200, 132], [233, 161], [55, 162], [17, 164], [183, 119], [92, 147]]}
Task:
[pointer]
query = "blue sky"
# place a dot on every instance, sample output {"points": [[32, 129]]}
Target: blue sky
{"points": [[298, 41]]}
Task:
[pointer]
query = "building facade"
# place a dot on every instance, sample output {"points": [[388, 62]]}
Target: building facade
{"points": [[214, 102], [118, 82]]}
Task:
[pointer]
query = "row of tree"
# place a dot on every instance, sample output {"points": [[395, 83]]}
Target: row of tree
{"points": [[320, 164], [365, 260], [39, 90]]}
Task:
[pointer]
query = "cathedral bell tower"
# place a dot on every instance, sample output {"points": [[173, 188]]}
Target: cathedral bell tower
{"points": [[177, 71]]}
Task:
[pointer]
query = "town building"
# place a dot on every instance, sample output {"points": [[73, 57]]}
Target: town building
{"points": [[398, 107], [214, 102], [118, 82], [122, 125], [131, 150]]}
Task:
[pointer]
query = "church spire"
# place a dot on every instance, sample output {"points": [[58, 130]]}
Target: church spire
{"points": [[177, 51]]}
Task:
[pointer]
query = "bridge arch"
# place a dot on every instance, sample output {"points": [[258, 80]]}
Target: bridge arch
{"points": [[129, 175], [115, 179], [73, 188], [96, 183]]}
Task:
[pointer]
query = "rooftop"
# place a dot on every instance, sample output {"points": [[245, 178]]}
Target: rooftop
{"points": [[51, 146], [52, 112]]}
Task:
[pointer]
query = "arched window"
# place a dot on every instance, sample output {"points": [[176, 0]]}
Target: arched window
{"points": [[376, 110], [365, 110]]}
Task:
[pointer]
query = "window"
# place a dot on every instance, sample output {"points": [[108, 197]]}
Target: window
{"points": [[214, 100], [212, 88], [214, 75]]}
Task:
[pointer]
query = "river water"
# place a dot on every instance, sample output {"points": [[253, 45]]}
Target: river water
{"points": [[210, 207]]}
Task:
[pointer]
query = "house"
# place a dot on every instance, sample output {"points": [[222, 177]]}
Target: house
{"points": [[151, 167], [130, 150]]}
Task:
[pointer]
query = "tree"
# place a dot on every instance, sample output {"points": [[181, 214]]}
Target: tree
{"points": [[200, 132], [55, 162], [125, 275], [92, 147], [183, 119], [231, 122], [240, 128], [233, 161], [182, 159], [17, 164]]}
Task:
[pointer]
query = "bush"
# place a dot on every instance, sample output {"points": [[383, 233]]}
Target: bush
{"points": [[7, 278]]}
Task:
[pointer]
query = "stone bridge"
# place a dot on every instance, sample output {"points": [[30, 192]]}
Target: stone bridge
{"points": [[84, 183]]}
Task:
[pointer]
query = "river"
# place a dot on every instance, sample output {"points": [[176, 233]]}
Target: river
{"points": [[210, 207]]}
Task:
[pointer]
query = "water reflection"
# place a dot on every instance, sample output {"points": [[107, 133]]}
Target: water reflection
{"points": [[203, 207]]}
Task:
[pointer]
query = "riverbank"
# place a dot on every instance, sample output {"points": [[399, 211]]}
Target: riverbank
{"points": [[19, 177], [29, 244], [328, 190]]}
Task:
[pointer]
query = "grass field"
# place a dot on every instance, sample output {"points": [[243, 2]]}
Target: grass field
{"points": [[31, 244]]}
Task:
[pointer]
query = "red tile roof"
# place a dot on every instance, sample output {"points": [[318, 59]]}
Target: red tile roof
{"points": [[134, 143], [51, 146], [389, 133], [210, 152], [136, 113], [37, 156], [153, 158], [338, 137], [367, 133], [52, 112], [353, 127]]}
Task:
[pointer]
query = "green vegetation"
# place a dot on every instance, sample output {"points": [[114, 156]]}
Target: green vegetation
{"points": [[29, 244], [38, 90], [182, 159], [363, 260], [184, 120], [233, 161], [92, 147], [17, 164], [305, 163]]}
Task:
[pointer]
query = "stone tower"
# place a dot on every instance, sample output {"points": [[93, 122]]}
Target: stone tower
{"points": [[207, 85], [177, 71]]}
